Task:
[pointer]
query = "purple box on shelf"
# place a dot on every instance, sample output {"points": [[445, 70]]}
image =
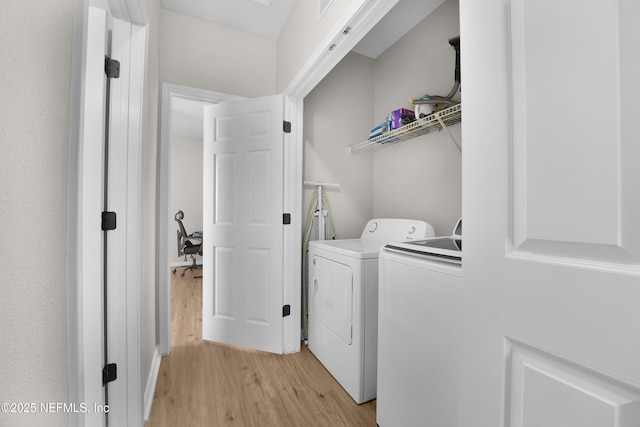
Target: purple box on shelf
{"points": [[397, 116]]}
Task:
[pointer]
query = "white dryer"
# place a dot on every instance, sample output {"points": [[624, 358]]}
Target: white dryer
{"points": [[343, 301]]}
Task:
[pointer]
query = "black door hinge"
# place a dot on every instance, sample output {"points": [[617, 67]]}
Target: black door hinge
{"points": [[286, 126], [109, 373], [111, 68], [286, 310], [286, 218], [108, 221]]}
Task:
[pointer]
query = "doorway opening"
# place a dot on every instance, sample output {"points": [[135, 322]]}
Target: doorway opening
{"points": [[180, 118]]}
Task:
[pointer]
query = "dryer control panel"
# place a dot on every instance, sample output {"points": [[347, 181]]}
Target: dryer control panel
{"points": [[396, 229]]}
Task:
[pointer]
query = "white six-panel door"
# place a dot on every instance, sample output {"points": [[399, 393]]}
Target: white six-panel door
{"points": [[243, 223], [551, 192]]}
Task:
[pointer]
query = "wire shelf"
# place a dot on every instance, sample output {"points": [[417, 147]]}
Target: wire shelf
{"points": [[433, 122]]}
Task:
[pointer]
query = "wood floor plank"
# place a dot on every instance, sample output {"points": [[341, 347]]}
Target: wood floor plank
{"points": [[203, 384]]}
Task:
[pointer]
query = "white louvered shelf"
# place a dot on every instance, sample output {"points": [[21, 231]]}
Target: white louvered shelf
{"points": [[433, 122]]}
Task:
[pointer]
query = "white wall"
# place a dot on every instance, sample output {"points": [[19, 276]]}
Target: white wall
{"points": [[302, 35], [206, 55], [337, 113], [34, 129], [186, 190], [35, 47], [420, 178]]}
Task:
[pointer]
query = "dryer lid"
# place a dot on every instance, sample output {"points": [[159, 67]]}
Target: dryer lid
{"points": [[354, 248]]}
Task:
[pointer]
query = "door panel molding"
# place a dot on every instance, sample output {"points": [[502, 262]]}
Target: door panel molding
{"points": [[555, 391], [543, 322], [573, 187], [224, 258]]}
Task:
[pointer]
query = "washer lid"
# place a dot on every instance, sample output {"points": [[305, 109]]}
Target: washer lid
{"points": [[448, 249], [354, 248]]}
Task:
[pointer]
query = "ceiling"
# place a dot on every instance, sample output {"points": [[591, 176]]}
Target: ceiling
{"points": [[402, 18], [266, 18], [263, 17]]}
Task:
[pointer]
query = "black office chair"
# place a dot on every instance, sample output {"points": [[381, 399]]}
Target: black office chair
{"points": [[188, 244]]}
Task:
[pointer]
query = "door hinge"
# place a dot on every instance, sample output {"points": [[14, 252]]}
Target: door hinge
{"points": [[111, 68], [108, 221], [286, 218], [286, 310], [109, 373], [286, 126]]}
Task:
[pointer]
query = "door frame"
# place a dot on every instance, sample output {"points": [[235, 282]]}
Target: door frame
{"points": [[292, 204], [356, 22], [164, 216], [84, 299]]}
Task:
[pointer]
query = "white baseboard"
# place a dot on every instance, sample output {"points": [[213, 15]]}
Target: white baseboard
{"points": [[150, 389], [175, 264]]}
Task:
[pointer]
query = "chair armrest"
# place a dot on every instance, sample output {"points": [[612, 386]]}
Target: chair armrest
{"points": [[194, 238]]}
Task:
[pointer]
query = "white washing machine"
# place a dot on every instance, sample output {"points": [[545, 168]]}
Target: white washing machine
{"points": [[420, 332], [343, 301]]}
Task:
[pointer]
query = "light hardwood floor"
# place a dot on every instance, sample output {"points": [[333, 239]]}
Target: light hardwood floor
{"points": [[205, 384]]}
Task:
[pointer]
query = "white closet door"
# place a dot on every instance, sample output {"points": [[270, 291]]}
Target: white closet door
{"points": [[551, 193], [243, 223]]}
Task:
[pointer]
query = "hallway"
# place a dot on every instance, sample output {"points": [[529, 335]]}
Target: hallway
{"points": [[209, 384]]}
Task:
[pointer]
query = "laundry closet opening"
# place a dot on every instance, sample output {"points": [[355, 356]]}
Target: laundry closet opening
{"points": [[420, 178]]}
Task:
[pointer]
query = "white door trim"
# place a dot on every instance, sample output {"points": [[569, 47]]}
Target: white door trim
{"points": [[84, 299], [84, 243], [164, 216], [125, 198], [292, 239], [292, 204], [355, 23]]}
